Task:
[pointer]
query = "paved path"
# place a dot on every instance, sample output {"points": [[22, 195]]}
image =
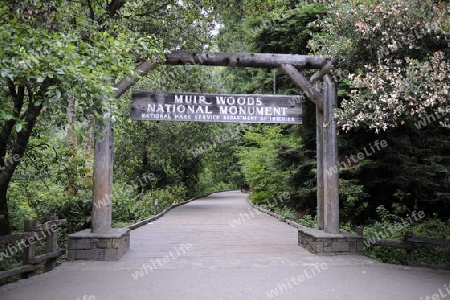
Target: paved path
{"points": [[194, 252]]}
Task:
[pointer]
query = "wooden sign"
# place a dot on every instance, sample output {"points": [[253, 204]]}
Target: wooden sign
{"points": [[253, 108]]}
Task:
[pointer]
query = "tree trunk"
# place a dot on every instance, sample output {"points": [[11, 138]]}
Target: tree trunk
{"points": [[17, 143], [4, 213]]}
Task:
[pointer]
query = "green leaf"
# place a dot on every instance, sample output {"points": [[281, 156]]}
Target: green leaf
{"points": [[18, 127]]}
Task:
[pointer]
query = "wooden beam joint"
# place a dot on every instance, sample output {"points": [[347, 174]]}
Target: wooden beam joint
{"points": [[326, 69], [304, 84]]}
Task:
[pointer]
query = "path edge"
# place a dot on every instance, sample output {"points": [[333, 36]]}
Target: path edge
{"points": [[272, 214], [161, 214]]}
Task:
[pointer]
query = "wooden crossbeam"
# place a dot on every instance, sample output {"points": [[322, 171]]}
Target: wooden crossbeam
{"points": [[255, 60]]}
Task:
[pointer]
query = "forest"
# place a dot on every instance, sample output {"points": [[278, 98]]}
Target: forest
{"points": [[60, 61]]}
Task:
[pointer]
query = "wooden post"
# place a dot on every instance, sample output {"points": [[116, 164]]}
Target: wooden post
{"points": [[320, 170], [330, 158], [410, 251], [360, 230], [103, 166], [104, 157], [51, 246], [30, 251]]}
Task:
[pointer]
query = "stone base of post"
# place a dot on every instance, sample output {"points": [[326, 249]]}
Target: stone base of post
{"points": [[318, 241], [109, 246]]}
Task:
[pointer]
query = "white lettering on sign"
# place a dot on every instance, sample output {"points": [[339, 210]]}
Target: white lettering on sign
{"points": [[183, 117], [206, 117], [250, 110], [156, 116], [215, 107], [240, 101], [191, 99], [180, 109]]}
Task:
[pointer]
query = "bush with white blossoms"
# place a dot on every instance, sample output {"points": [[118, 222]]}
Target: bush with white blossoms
{"points": [[399, 51]]}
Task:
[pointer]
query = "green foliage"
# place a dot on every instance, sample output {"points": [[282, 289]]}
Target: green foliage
{"points": [[353, 201], [261, 198], [66, 58], [394, 53], [129, 206], [307, 221], [258, 162], [32, 199], [282, 29], [427, 254], [285, 213], [431, 254], [288, 31], [208, 184], [169, 196]]}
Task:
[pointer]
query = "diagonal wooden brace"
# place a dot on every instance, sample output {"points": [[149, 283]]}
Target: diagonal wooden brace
{"points": [[304, 84]]}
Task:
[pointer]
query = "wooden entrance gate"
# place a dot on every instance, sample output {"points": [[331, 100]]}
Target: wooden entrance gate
{"points": [[321, 89]]}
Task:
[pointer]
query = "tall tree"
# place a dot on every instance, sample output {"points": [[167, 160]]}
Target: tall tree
{"points": [[50, 49]]}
